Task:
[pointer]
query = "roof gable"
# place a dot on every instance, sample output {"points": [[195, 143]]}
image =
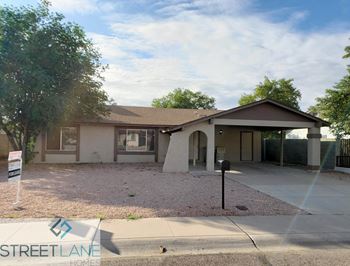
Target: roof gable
{"points": [[265, 111], [261, 110]]}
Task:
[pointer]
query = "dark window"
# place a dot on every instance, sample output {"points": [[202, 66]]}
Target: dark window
{"points": [[68, 138], [53, 139], [150, 139], [121, 143], [135, 140], [62, 139]]}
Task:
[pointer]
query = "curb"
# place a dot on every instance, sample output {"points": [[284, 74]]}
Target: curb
{"points": [[176, 245], [302, 241]]}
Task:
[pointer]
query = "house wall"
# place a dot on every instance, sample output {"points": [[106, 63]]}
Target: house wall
{"points": [[180, 151], [230, 140], [257, 146], [163, 143], [37, 150], [96, 144], [60, 158], [135, 158], [177, 157]]}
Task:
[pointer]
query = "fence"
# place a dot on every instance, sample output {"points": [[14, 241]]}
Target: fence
{"points": [[295, 152], [4, 146], [343, 159]]}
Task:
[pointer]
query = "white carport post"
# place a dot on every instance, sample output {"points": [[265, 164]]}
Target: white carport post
{"points": [[210, 147], [314, 148]]}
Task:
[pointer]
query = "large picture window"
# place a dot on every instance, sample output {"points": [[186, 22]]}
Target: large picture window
{"points": [[137, 140], [62, 139]]}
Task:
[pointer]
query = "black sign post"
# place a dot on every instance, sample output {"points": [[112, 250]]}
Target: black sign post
{"points": [[225, 166]]}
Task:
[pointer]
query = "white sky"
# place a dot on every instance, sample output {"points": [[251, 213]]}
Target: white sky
{"points": [[222, 48]]}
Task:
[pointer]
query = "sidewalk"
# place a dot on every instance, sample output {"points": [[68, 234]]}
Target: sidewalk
{"points": [[200, 235], [179, 236], [49, 241]]}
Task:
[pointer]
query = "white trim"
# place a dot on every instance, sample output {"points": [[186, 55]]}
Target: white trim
{"points": [[263, 123]]}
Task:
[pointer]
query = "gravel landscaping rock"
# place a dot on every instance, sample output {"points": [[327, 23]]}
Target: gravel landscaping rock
{"points": [[120, 190]]}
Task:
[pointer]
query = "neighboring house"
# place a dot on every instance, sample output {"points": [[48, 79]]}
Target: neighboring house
{"points": [[178, 138]]}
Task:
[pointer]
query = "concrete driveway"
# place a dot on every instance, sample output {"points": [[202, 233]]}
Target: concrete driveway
{"points": [[317, 193]]}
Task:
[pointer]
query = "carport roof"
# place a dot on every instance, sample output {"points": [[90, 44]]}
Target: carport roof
{"points": [[174, 119], [301, 114]]}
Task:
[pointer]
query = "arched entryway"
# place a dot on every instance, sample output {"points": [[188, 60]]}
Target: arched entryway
{"points": [[197, 155]]}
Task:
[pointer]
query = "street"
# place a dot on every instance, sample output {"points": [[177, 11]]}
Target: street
{"points": [[334, 257]]}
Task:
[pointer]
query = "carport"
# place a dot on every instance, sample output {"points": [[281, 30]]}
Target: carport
{"points": [[235, 135]]}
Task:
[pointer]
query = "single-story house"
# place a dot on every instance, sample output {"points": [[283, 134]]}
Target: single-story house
{"points": [[178, 138]]}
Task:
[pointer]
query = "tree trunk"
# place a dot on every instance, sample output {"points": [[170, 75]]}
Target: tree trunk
{"points": [[12, 139], [24, 143]]}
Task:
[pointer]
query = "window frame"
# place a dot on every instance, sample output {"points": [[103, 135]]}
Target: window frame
{"points": [[60, 144], [128, 151]]}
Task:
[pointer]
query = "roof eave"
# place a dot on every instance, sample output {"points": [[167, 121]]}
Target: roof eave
{"points": [[119, 124]]}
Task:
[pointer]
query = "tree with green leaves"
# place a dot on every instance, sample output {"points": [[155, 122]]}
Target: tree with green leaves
{"points": [[335, 105], [50, 73], [185, 98], [281, 90]]}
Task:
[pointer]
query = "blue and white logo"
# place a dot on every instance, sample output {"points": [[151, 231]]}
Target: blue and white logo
{"points": [[61, 228]]}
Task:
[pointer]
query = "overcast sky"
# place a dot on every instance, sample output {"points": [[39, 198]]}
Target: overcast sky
{"points": [[222, 48]]}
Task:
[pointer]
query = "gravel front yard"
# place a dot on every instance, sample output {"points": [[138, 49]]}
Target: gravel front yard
{"points": [[118, 190]]}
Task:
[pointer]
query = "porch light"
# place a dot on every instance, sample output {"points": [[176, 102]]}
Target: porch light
{"points": [[221, 131]]}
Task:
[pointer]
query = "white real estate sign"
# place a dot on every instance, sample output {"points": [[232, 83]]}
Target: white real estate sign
{"points": [[15, 166]]}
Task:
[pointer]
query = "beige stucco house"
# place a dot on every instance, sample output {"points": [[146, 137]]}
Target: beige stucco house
{"points": [[181, 139]]}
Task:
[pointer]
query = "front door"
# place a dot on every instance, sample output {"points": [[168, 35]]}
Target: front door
{"points": [[246, 145]]}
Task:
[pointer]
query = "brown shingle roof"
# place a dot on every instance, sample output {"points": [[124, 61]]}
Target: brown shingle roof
{"points": [[150, 116]]}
